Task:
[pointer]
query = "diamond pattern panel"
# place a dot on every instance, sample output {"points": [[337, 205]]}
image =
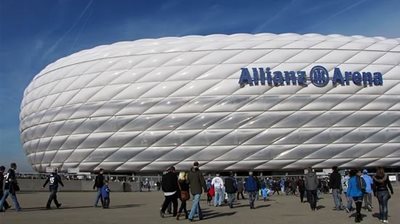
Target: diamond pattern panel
{"points": [[148, 104]]}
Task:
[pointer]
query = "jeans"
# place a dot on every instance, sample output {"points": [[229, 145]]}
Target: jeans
{"points": [[5, 205], [252, 198], [337, 198], [98, 197], [53, 196], [219, 196], [231, 199], [349, 202], [196, 207], [368, 200], [383, 198], [312, 198], [13, 197]]}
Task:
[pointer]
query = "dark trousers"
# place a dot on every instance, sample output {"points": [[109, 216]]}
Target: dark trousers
{"points": [[106, 202], [183, 208], [5, 205], [52, 197], [301, 191], [312, 198], [239, 193], [170, 199]]}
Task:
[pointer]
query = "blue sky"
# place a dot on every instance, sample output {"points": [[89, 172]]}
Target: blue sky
{"points": [[34, 34]]}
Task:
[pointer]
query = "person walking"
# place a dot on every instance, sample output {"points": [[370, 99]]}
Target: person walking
{"points": [[240, 189], [302, 188], [169, 184], [230, 188], [355, 190], [5, 205], [382, 186], [197, 183], [218, 184], [53, 180], [98, 183], [335, 183], [251, 188], [11, 187], [345, 184], [368, 190], [105, 194], [311, 185], [184, 194]]}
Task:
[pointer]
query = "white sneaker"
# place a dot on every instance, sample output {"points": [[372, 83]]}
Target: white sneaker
{"points": [[385, 221]]}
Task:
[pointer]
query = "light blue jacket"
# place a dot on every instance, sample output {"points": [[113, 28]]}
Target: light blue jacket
{"points": [[368, 182], [353, 190]]}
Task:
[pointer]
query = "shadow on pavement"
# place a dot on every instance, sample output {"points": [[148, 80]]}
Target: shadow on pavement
{"points": [[32, 209]]}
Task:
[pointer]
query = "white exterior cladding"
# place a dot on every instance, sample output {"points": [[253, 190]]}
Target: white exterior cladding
{"points": [[148, 104]]}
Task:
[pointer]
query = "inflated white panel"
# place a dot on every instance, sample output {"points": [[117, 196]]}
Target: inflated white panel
{"points": [[148, 104]]}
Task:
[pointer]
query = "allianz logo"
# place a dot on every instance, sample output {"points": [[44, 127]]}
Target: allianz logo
{"points": [[318, 76]]}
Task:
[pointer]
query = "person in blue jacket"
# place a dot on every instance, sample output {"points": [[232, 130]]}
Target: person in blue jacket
{"points": [[355, 190], [105, 194], [252, 189]]}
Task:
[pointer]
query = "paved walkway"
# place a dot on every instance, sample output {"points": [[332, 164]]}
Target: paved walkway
{"points": [[143, 207]]}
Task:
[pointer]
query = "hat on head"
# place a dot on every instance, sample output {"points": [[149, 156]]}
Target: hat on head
{"points": [[365, 171]]}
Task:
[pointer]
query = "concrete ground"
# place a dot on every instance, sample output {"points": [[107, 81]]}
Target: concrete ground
{"points": [[143, 207]]}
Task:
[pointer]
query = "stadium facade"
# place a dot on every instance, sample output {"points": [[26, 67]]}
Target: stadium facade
{"points": [[232, 102]]}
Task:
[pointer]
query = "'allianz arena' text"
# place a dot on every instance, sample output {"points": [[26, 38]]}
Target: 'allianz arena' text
{"points": [[231, 102]]}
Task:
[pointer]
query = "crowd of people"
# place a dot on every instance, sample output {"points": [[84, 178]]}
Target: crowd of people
{"points": [[357, 186]]}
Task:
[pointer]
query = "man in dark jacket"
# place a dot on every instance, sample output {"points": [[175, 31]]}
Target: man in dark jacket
{"points": [[6, 205], [335, 183], [53, 180], [10, 187], [230, 189], [197, 182], [311, 184], [169, 185], [98, 183]]}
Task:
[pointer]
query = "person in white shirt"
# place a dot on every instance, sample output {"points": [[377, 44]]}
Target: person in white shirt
{"points": [[345, 184], [218, 184]]}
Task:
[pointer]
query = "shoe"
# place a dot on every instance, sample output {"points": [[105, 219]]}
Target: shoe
{"points": [[59, 205], [385, 221], [190, 220], [48, 207], [162, 214], [177, 216]]}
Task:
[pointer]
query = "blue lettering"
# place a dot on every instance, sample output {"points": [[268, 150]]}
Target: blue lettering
{"points": [[245, 78], [290, 76], [367, 78], [269, 77], [378, 79], [337, 77], [319, 76], [255, 76], [347, 78], [278, 78], [302, 78], [357, 79], [262, 76]]}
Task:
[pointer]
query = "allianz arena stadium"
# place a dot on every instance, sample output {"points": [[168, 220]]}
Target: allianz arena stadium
{"points": [[232, 102]]}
